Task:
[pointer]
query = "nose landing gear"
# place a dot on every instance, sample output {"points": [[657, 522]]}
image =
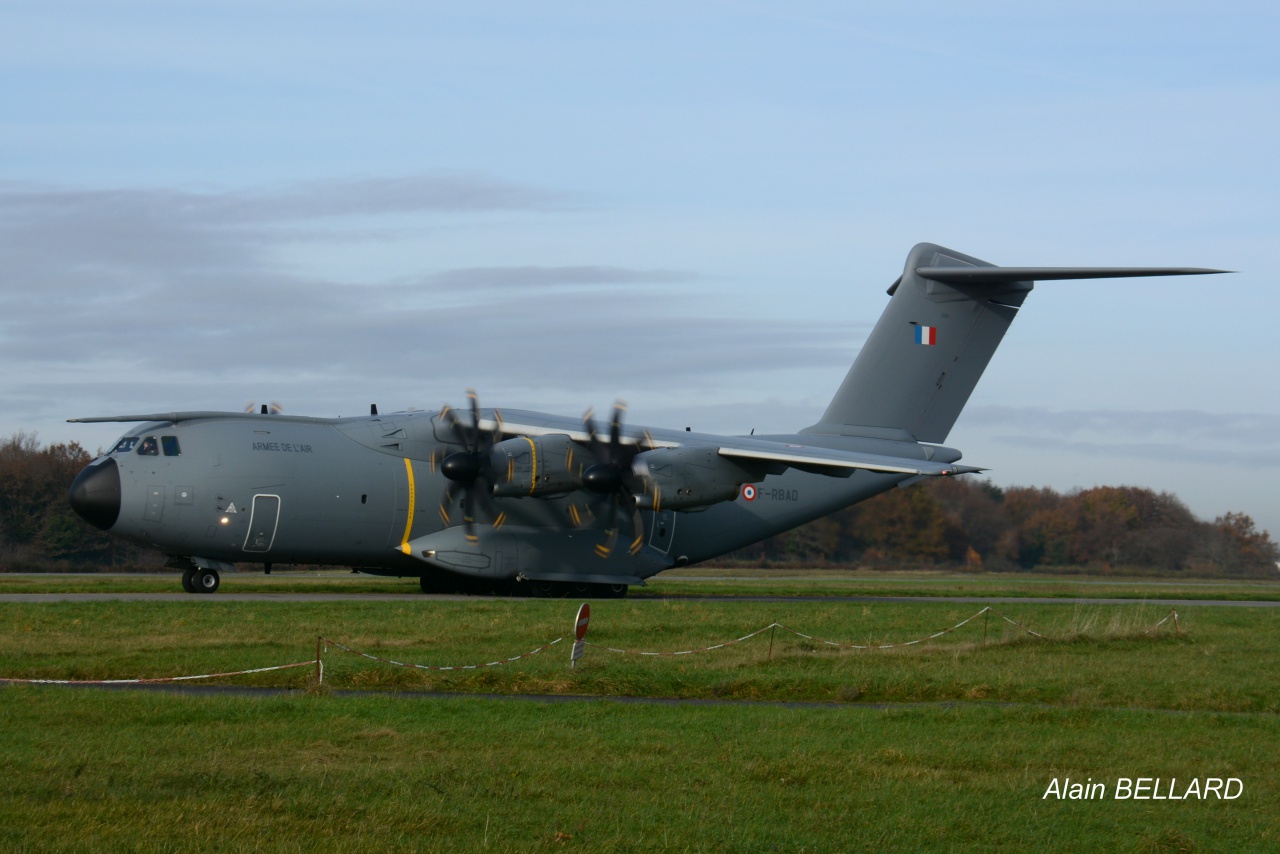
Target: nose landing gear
{"points": [[199, 575]]}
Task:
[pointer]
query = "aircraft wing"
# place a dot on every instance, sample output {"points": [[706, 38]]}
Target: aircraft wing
{"points": [[553, 426], [840, 463], [210, 415], [775, 454]]}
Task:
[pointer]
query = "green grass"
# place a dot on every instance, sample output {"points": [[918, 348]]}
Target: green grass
{"points": [[927, 583], [93, 771], [323, 581], [1102, 698], [706, 580], [1223, 660]]}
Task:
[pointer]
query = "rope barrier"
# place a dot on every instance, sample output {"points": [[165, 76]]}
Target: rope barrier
{"points": [[688, 651], [1173, 615], [312, 663], [890, 645], [323, 644], [344, 648]]}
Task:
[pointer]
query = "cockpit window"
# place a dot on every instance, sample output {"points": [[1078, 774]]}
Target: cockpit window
{"points": [[170, 445], [149, 447], [125, 445]]}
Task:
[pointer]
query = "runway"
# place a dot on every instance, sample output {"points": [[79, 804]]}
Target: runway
{"points": [[214, 599]]}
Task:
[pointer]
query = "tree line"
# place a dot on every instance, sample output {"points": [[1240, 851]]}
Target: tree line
{"points": [[38, 529], [945, 522], [974, 524]]}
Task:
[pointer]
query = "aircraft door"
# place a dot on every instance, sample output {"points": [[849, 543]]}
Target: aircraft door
{"points": [[263, 518], [662, 530]]}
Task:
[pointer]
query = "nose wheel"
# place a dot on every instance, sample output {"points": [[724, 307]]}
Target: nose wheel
{"points": [[200, 580]]}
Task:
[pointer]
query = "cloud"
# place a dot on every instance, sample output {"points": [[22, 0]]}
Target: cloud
{"points": [[82, 241], [547, 277], [303, 201], [1186, 424], [1241, 439], [185, 299]]}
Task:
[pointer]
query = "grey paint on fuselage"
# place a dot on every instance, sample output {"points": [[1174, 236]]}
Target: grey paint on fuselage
{"points": [[338, 501], [386, 493], [344, 491]]}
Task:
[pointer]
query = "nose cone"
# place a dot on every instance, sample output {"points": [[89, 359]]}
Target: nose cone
{"points": [[95, 494]]}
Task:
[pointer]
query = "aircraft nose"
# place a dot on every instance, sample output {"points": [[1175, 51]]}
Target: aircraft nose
{"points": [[95, 494]]}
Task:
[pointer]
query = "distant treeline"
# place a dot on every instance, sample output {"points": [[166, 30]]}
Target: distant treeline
{"points": [[38, 529], [974, 524], [955, 522]]}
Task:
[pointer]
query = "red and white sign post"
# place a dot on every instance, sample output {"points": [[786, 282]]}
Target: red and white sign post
{"points": [[580, 634]]}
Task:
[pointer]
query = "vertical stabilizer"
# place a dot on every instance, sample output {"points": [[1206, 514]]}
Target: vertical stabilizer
{"points": [[924, 357]]}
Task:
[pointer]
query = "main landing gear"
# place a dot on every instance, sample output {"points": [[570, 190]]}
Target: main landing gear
{"points": [[197, 580]]}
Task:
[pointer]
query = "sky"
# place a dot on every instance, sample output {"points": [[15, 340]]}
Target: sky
{"points": [[695, 207]]}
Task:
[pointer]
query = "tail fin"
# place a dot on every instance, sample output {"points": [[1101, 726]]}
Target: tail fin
{"points": [[947, 314]]}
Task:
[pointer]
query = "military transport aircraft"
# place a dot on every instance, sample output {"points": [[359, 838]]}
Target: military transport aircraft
{"points": [[515, 502]]}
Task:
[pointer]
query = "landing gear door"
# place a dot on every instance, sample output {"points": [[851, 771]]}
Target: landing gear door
{"points": [[262, 523]]}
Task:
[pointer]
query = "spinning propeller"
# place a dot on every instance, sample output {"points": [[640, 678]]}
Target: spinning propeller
{"points": [[609, 477], [613, 478], [469, 471]]}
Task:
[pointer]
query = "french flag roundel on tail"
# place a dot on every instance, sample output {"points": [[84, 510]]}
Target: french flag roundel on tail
{"points": [[926, 335]]}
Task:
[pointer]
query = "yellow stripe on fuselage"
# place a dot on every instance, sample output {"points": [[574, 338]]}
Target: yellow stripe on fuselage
{"points": [[408, 522], [533, 471]]}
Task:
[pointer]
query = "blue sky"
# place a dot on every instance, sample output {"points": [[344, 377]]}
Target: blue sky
{"points": [[694, 206]]}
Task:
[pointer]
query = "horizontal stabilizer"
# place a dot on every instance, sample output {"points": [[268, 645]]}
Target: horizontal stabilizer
{"points": [[1005, 275]]}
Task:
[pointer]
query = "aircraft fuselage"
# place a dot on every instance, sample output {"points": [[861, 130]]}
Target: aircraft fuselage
{"points": [[503, 498], [367, 492]]}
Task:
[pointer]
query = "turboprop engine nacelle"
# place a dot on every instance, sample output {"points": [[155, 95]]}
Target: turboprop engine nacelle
{"points": [[541, 466], [691, 478]]}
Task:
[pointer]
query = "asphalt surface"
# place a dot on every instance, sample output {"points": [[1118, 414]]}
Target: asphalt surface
{"points": [[213, 599]]}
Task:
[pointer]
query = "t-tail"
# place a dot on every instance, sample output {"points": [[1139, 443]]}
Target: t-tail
{"points": [[947, 314]]}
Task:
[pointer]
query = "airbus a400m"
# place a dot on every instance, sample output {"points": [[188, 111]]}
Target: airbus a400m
{"points": [[483, 500]]}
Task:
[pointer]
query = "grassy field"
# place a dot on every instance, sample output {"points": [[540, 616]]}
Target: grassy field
{"points": [[1213, 665], [948, 745], [95, 771], [704, 580]]}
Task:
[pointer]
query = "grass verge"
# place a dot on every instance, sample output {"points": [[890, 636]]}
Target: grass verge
{"points": [[696, 581], [107, 770], [1102, 698], [1222, 660]]}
